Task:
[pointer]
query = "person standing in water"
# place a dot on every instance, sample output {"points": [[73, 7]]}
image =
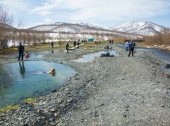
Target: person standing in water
{"points": [[21, 52]]}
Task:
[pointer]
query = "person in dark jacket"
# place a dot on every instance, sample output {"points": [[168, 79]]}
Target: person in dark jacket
{"points": [[78, 43], [52, 44], [67, 47], [74, 44], [131, 48], [21, 52]]}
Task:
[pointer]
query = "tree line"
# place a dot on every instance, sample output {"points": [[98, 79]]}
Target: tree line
{"points": [[15, 35]]}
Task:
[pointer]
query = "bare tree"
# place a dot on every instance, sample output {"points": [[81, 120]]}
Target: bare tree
{"points": [[5, 22]]}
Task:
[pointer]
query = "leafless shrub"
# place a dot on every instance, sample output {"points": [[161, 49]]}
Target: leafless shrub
{"points": [[159, 39], [5, 22]]}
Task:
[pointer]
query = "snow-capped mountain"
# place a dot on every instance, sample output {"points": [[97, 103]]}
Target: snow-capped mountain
{"points": [[83, 30], [124, 30], [142, 28], [67, 27]]}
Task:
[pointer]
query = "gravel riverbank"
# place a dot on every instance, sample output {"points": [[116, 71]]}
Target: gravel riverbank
{"points": [[109, 91]]}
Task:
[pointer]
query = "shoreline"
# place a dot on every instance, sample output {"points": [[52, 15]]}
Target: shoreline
{"points": [[100, 90]]}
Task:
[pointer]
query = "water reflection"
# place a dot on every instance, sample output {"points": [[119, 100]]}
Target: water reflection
{"points": [[90, 57], [52, 51], [22, 69]]}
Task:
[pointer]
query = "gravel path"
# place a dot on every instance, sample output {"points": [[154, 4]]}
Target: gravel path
{"points": [[125, 91]]}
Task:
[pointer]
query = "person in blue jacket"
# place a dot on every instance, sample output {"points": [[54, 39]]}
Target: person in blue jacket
{"points": [[131, 48]]}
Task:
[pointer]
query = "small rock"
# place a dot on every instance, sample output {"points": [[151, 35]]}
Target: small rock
{"points": [[96, 114], [7, 124], [56, 114], [52, 110], [82, 120], [85, 108], [167, 66], [19, 118], [126, 106], [70, 100], [51, 119], [102, 104], [162, 105], [1, 122], [167, 76], [124, 115], [59, 101], [66, 89], [2, 114], [53, 91], [52, 124], [77, 78]]}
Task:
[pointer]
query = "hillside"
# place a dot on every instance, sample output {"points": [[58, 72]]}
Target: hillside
{"points": [[142, 28]]}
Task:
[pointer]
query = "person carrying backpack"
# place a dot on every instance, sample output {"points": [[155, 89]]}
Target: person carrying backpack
{"points": [[131, 48]]}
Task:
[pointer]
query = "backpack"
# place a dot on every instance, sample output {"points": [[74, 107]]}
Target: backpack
{"points": [[132, 45]]}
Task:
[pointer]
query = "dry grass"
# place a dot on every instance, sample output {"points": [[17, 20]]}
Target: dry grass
{"points": [[9, 108], [29, 100], [159, 39]]}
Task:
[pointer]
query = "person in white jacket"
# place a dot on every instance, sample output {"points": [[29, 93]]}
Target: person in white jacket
{"points": [[126, 45]]}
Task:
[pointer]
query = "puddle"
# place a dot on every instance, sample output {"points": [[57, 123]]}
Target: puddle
{"points": [[30, 78], [90, 57]]}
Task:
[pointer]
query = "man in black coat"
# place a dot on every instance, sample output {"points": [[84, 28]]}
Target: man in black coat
{"points": [[21, 52]]}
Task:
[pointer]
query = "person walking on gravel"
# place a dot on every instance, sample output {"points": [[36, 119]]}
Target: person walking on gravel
{"points": [[131, 48], [126, 45], [67, 47]]}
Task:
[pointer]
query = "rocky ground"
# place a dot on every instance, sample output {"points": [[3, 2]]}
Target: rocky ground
{"points": [[125, 91]]}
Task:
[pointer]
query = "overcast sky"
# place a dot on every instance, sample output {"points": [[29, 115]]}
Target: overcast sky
{"points": [[106, 13]]}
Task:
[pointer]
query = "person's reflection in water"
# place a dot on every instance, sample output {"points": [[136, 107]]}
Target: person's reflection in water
{"points": [[52, 51], [22, 68]]}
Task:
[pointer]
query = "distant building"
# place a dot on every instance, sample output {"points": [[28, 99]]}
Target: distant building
{"points": [[90, 39]]}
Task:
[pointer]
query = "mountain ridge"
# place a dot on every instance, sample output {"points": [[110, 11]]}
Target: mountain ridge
{"points": [[140, 27], [131, 27]]}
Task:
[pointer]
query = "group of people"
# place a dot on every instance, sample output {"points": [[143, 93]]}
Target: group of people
{"points": [[74, 44], [129, 46]]}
